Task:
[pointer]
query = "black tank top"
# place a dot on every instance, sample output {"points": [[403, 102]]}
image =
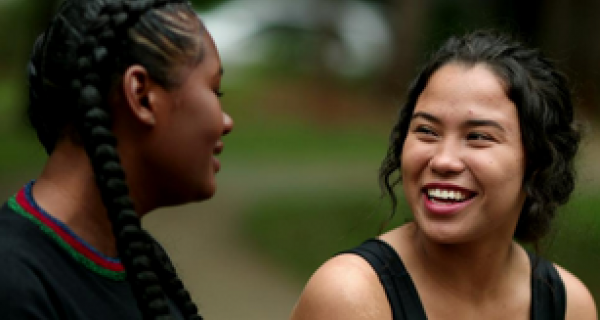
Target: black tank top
{"points": [[548, 291]]}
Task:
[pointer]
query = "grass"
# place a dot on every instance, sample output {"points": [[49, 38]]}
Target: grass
{"points": [[301, 230], [281, 128], [292, 139]]}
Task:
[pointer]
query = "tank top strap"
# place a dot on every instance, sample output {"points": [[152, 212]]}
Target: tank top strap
{"points": [[548, 295], [399, 288]]}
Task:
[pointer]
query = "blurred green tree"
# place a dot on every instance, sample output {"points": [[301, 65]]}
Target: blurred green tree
{"points": [[204, 5], [25, 18], [562, 28]]}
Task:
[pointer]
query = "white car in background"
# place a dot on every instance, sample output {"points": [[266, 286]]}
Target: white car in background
{"points": [[351, 37]]}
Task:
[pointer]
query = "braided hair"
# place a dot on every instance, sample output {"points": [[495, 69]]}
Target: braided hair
{"points": [[82, 54], [544, 104]]}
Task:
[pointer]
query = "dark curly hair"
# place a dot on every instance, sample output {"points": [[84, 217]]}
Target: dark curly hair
{"points": [[545, 108], [73, 69]]}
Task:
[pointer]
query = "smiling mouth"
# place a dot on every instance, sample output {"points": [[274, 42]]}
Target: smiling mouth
{"points": [[448, 196], [218, 148]]}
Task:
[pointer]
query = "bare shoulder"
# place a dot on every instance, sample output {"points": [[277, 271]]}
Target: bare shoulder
{"points": [[580, 303], [345, 287]]}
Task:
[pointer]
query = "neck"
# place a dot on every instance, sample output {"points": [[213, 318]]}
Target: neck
{"points": [[475, 270], [67, 190]]}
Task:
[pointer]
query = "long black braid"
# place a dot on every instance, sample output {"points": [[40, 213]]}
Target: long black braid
{"points": [[96, 48]]}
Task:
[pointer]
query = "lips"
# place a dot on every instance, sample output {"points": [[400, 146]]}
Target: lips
{"points": [[216, 151], [216, 164], [446, 199], [218, 147]]}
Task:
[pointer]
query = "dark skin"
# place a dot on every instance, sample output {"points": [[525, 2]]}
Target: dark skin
{"points": [[146, 118]]}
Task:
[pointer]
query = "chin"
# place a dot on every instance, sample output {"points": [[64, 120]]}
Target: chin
{"points": [[188, 195], [445, 239], [442, 234], [206, 192], [206, 195]]}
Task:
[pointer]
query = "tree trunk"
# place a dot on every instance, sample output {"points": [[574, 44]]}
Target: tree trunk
{"points": [[568, 34], [408, 20]]}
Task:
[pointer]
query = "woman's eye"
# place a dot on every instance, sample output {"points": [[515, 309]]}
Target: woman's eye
{"points": [[425, 130], [479, 136], [219, 93]]}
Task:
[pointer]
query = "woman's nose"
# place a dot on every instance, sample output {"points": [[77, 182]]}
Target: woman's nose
{"points": [[447, 159], [227, 123]]}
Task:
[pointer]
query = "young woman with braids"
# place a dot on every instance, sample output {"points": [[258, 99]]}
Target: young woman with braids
{"points": [[124, 97], [484, 150]]}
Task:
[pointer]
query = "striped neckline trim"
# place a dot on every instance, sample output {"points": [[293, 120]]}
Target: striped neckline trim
{"points": [[24, 204]]}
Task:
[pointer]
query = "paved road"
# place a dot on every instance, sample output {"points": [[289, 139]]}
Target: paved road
{"points": [[226, 278]]}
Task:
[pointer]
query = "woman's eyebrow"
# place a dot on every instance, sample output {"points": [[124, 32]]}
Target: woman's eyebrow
{"points": [[467, 123], [426, 116], [484, 123]]}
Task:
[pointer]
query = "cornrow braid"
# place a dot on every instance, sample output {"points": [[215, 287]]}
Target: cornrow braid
{"points": [[134, 245], [35, 91], [36, 111], [171, 282]]}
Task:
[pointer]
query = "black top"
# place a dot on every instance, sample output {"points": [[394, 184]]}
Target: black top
{"points": [[47, 272], [548, 291]]}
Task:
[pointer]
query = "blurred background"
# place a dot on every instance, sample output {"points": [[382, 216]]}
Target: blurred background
{"points": [[314, 87]]}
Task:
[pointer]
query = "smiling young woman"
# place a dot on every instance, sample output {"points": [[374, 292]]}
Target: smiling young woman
{"points": [[484, 149], [463, 160]]}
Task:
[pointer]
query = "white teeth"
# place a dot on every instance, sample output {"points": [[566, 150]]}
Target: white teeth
{"points": [[446, 194]]}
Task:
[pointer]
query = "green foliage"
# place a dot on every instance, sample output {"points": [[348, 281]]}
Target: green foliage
{"points": [[21, 152], [576, 237], [293, 139], [302, 229], [204, 5], [9, 96]]}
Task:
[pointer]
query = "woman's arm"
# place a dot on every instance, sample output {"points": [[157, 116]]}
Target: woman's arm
{"points": [[580, 303], [345, 287]]}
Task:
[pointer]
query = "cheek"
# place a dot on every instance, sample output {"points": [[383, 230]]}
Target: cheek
{"points": [[504, 170], [414, 158], [515, 172], [203, 115]]}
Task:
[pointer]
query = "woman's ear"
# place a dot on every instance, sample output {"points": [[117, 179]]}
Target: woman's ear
{"points": [[138, 90]]}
